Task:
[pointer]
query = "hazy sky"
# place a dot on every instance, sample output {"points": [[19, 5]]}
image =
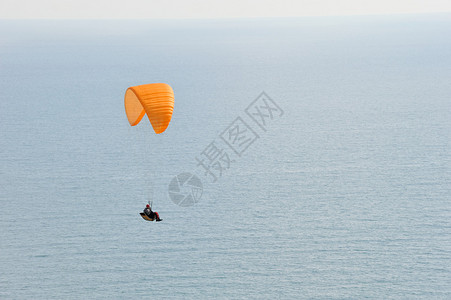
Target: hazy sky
{"points": [[131, 9]]}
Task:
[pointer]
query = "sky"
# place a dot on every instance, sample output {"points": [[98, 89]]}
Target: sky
{"points": [[168, 9]]}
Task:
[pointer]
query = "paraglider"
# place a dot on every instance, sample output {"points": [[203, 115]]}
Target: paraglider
{"points": [[156, 100], [149, 215]]}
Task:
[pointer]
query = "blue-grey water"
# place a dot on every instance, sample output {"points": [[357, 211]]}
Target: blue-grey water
{"points": [[346, 195]]}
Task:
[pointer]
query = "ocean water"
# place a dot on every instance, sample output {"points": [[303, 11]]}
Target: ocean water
{"points": [[347, 194]]}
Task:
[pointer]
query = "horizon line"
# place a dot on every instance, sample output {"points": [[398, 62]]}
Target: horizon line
{"points": [[226, 18]]}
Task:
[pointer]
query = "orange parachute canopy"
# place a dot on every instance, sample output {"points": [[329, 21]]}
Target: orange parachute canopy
{"points": [[155, 99]]}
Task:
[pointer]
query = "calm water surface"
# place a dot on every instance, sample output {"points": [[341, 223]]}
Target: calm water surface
{"points": [[347, 195]]}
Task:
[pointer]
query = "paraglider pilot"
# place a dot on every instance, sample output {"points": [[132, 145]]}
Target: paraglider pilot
{"points": [[152, 214]]}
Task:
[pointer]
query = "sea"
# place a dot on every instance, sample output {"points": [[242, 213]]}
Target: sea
{"points": [[312, 156]]}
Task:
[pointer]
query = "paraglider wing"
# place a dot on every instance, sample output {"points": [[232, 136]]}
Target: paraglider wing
{"points": [[155, 99]]}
